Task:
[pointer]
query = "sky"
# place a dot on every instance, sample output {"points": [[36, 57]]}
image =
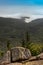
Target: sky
{"points": [[21, 2], [19, 8]]}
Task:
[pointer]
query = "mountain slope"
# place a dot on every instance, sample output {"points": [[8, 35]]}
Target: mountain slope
{"points": [[14, 30], [36, 29]]}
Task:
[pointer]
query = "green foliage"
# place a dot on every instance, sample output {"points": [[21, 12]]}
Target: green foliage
{"points": [[8, 45], [27, 44], [42, 47], [35, 48], [23, 43], [26, 40], [27, 37], [1, 53], [12, 28]]}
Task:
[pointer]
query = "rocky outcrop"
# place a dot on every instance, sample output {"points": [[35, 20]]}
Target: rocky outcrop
{"points": [[40, 56], [39, 62], [16, 54], [20, 53], [6, 58], [33, 58]]}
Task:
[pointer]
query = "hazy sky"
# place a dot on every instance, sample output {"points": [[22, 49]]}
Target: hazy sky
{"points": [[18, 8]]}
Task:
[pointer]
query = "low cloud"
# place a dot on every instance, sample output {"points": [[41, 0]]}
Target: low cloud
{"points": [[33, 12]]}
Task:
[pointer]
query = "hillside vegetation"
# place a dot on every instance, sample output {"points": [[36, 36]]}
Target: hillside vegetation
{"points": [[14, 31]]}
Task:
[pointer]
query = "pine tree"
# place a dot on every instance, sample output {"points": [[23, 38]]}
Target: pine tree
{"points": [[27, 37], [23, 43], [8, 45]]}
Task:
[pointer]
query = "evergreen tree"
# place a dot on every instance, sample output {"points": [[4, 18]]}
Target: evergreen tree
{"points": [[26, 40], [8, 45], [23, 43], [27, 37]]}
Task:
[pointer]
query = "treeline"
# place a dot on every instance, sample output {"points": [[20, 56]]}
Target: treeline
{"points": [[35, 48]]}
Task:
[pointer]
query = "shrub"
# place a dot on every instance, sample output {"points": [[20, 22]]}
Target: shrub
{"points": [[35, 48], [1, 53]]}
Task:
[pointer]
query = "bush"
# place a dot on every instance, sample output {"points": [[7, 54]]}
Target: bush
{"points": [[1, 53], [35, 48]]}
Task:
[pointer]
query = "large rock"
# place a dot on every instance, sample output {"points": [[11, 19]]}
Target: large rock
{"points": [[40, 56], [5, 59], [16, 54], [20, 53], [33, 58]]}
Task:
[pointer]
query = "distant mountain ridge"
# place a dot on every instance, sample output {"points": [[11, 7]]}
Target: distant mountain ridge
{"points": [[14, 29]]}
